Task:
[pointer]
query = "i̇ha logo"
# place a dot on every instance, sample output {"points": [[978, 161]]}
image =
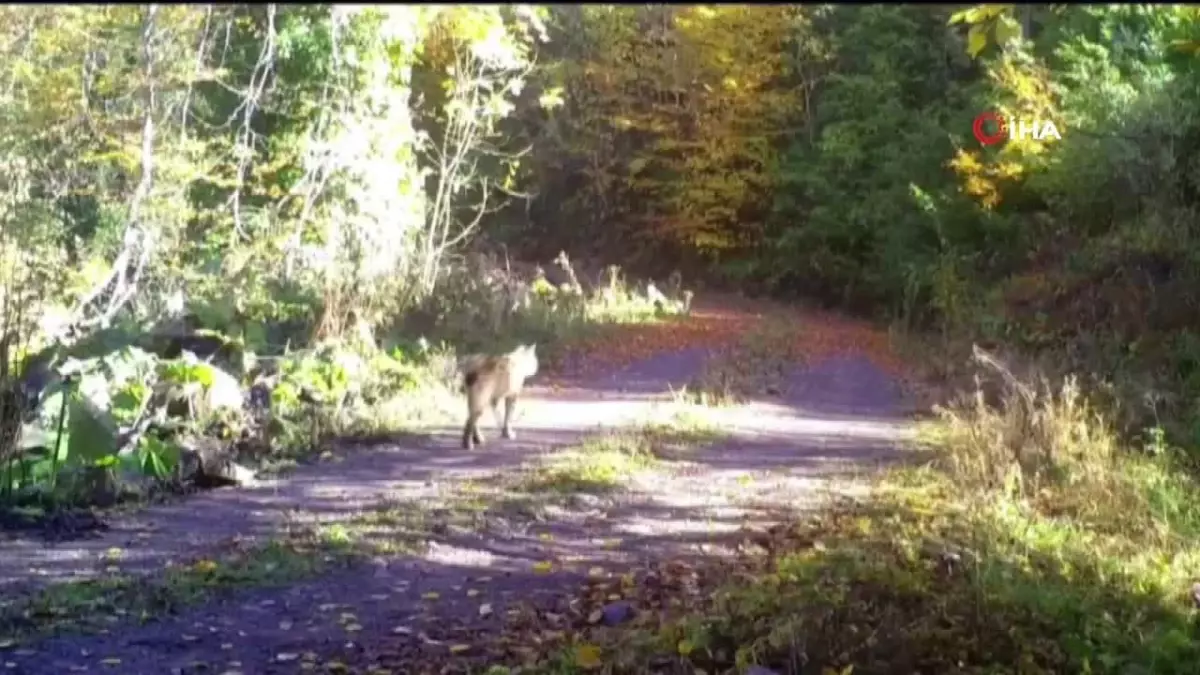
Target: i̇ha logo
{"points": [[1000, 129]]}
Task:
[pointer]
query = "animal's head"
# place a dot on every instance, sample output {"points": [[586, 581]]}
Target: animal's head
{"points": [[525, 359]]}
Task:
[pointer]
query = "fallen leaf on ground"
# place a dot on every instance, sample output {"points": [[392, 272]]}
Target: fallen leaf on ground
{"points": [[587, 656]]}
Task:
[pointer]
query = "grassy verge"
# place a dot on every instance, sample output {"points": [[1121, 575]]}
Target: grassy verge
{"points": [[1033, 542], [603, 464]]}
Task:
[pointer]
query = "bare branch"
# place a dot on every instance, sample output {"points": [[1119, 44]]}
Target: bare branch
{"points": [[244, 148], [135, 251]]}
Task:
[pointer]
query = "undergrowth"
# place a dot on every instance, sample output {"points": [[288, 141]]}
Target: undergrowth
{"points": [[359, 375], [1032, 542]]}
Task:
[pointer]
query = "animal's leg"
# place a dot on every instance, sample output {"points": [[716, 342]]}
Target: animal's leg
{"points": [[510, 408], [471, 436]]}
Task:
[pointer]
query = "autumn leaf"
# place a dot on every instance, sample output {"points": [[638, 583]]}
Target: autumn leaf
{"points": [[587, 656], [1007, 29], [976, 40], [961, 16]]}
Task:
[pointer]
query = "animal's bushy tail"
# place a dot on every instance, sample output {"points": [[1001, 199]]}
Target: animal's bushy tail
{"points": [[469, 367]]}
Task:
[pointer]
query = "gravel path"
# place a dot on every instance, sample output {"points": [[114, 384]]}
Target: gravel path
{"points": [[833, 420]]}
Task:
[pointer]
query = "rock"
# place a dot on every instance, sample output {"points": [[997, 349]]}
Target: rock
{"points": [[210, 463], [258, 399], [225, 392], [616, 613], [582, 500]]}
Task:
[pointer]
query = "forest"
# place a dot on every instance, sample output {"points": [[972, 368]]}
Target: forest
{"points": [[232, 233]]}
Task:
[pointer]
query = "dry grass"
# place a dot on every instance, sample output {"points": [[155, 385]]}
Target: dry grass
{"points": [[1034, 539]]}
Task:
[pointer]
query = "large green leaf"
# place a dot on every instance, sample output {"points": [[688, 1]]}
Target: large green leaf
{"points": [[187, 369], [157, 458], [92, 433]]}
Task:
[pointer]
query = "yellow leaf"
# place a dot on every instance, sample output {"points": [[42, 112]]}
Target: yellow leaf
{"points": [[204, 566], [959, 17], [543, 567], [1007, 29], [431, 596], [685, 647], [976, 40], [459, 649], [587, 656]]}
